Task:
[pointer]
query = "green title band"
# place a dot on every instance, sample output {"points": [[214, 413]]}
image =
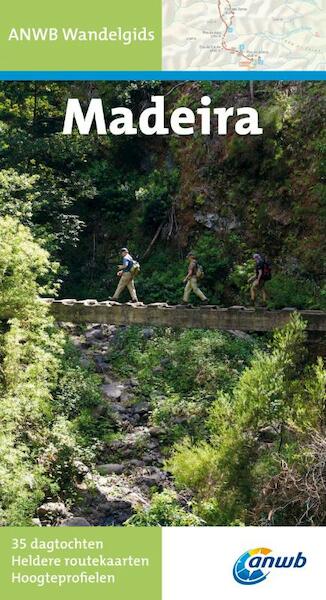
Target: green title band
{"points": [[68, 36]]}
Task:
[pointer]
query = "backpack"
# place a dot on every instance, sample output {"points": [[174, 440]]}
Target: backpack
{"points": [[199, 271], [267, 271], [135, 269]]}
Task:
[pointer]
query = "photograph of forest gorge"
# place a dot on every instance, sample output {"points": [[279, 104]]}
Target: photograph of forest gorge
{"points": [[134, 425]]}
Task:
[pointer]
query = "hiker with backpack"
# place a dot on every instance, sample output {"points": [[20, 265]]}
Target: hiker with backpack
{"points": [[195, 272], [263, 274], [127, 272]]}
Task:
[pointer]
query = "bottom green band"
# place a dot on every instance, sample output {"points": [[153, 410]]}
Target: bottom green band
{"points": [[116, 563]]}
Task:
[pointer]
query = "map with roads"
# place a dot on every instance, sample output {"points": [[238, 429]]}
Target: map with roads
{"points": [[285, 35]]}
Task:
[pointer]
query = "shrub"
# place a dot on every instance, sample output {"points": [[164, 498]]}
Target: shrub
{"points": [[181, 372], [285, 290], [277, 391], [25, 271], [78, 397], [38, 450], [239, 278], [164, 511], [78, 387], [59, 455], [22, 483]]}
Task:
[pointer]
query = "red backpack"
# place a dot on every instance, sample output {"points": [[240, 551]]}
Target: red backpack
{"points": [[267, 271]]}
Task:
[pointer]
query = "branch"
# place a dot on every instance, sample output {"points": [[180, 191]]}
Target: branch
{"points": [[153, 240]]}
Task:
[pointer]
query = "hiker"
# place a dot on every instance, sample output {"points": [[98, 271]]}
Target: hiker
{"points": [[263, 274], [195, 272], [126, 273]]}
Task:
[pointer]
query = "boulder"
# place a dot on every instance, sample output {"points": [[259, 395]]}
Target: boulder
{"points": [[115, 512], [119, 408], [154, 443], [242, 335], [53, 511], [109, 468], [101, 410], [267, 434], [141, 407], [153, 477], [126, 398], [135, 419], [165, 362], [135, 462], [85, 362], [133, 382], [81, 468], [100, 363], [75, 522], [94, 335], [113, 390], [150, 458], [218, 223], [156, 431], [148, 333]]}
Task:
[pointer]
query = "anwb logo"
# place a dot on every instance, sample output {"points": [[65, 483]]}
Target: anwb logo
{"points": [[255, 565]]}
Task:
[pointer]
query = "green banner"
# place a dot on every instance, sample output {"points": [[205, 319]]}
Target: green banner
{"points": [[61, 35], [66, 563]]}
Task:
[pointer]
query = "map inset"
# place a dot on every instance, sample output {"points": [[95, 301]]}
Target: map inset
{"points": [[246, 35]]}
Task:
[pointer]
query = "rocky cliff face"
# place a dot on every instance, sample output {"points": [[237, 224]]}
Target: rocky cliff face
{"points": [[267, 190], [225, 196]]}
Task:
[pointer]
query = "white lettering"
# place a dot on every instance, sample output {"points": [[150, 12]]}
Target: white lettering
{"points": [[182, 116], [84, 124], [249, 124], [157, 112], [124, 124]]}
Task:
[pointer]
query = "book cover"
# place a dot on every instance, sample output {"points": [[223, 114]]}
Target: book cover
{"points": [[162, 299]]}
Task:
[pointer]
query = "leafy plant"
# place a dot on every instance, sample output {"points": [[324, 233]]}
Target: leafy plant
{"points": [[164, 511]]}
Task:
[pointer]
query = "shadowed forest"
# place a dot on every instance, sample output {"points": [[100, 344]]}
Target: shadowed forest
{"points": [[108, 425]]}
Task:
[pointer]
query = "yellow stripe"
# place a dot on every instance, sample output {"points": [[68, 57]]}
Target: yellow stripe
{"points": [[259, 551]]}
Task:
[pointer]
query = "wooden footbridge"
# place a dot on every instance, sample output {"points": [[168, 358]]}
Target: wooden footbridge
{"points": [[180, 316]]}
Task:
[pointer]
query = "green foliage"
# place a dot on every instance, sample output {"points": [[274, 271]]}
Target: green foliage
{"points": [[240, 279], [164, 511], [264, 392], [196, 468], [25, 269], [181, 372], [30, 347], [157, 196], [227, 473], [21, 483], [16, 195], [315, 388], [162, 278], [285, 290], [58, 457], [43, 388], [219, 91], [216, 258], [78, 398], [78, 387]]}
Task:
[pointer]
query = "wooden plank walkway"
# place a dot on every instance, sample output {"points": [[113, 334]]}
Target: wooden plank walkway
{"points": [[179, 316]]}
